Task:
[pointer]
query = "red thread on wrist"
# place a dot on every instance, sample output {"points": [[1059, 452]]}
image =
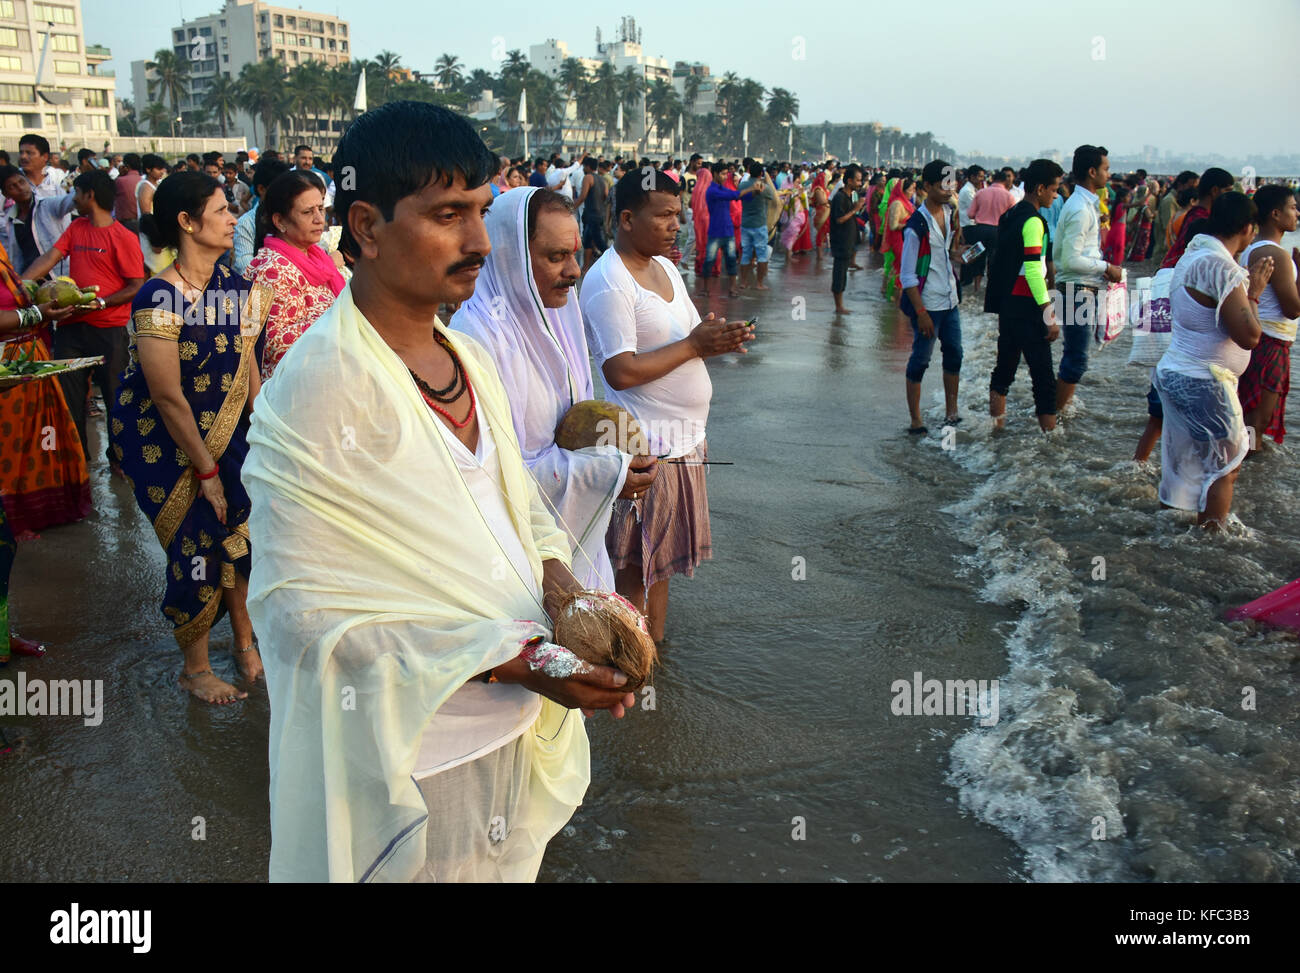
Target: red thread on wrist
{"points": [[209, 475]]}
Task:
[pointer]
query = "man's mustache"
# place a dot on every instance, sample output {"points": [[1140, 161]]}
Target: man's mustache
{"points": [[567, 282], [469, 263]]}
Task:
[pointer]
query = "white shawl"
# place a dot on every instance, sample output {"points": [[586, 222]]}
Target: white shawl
{"points": [[375, 591], [541, 354]]}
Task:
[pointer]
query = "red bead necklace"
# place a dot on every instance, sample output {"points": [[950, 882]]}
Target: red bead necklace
{"points": [[464, 377]]}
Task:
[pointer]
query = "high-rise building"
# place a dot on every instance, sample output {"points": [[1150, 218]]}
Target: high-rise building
{"points": [[548, 57], [705, 89], [245, 32], [59, 88]]}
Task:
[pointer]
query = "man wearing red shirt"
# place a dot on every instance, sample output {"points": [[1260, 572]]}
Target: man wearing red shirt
{"points": [[101, 252]]}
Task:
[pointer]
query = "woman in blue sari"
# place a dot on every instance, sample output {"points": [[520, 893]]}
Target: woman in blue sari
{"points": [[180, 422]]}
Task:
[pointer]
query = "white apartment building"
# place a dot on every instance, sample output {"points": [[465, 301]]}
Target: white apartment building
{"points": [[244, 32], [622, 53], [706, 97], [548, 57], [71, 102]]}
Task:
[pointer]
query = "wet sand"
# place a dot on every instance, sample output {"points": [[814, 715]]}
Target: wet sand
{"points": [[772, 710]]}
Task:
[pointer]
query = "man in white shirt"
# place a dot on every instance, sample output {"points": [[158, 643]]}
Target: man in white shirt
{"points": [[1081, 273], [974, 183], [562, 180], [32, 225], [975, 176], [930, 302], [34, 161], [650, 344]]}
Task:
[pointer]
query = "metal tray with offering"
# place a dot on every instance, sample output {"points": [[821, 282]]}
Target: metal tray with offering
{"points": [[21, 369]]}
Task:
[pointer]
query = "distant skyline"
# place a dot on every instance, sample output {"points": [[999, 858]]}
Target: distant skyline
{"points": [[1121, 73]]}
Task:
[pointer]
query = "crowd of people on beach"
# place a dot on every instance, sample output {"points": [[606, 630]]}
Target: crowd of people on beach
{"points": [[334, 389]]}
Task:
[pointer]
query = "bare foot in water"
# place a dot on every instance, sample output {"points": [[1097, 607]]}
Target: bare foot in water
{"points": [[249, 662], [207, 687]]}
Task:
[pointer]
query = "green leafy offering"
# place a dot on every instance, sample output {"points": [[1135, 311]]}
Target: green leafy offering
{"points": [[25, 365]]}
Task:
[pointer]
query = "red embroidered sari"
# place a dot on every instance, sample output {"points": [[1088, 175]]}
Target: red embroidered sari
{"points": [[43, 477], [296, 303]]}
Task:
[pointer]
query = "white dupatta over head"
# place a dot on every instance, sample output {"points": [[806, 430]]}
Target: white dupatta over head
{"points": [[541, 354], [376, 592]]}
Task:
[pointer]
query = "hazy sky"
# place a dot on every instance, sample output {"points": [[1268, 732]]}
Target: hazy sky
{"points": [[990, 75]]}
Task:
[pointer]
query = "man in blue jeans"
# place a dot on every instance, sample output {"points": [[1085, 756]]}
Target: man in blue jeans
{"points": [[1081, 273], [722, 231], [753, 226], [931, 242]]}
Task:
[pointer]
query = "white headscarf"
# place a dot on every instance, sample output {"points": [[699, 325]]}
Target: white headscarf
{"points": [[541, 354]]}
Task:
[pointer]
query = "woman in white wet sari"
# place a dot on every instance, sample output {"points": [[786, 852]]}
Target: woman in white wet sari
{"points": [[522, 312], [1215, 326]]}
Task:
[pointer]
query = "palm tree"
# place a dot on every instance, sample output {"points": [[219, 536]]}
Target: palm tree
{"points": [[662, 104], [198, 120], [305, 93], [572, 77], [222, 99], [447, 70], [388, 66], [692, 90], [157, 117], [748, 101], [630, 85], [477, 82], [171, 76], [725, 89], [925, 143], [782, 106], [127, 123], [602, 97], [514, 64], [545, 105], [261, 93], [340, 90]]}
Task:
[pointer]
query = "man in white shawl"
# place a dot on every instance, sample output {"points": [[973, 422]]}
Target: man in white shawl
{"points": [[523, 314], [1212, 303], [421, 724]]}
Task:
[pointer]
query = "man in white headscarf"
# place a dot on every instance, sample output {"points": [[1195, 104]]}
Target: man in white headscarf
{"points": [[523, 314], [404, 565]]}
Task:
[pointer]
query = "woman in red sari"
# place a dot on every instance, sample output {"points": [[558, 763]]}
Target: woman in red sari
{"points": [[733, 184], [55, 489], [1112, 249], [896, 213], [43, 477], [700, 216]]}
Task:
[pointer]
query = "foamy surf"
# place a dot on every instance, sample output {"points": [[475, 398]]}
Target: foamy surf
{"points": [[1141, 737]]}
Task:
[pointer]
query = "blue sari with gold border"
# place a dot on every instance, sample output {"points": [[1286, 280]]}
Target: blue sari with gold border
{"points": [[219, 341]]}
